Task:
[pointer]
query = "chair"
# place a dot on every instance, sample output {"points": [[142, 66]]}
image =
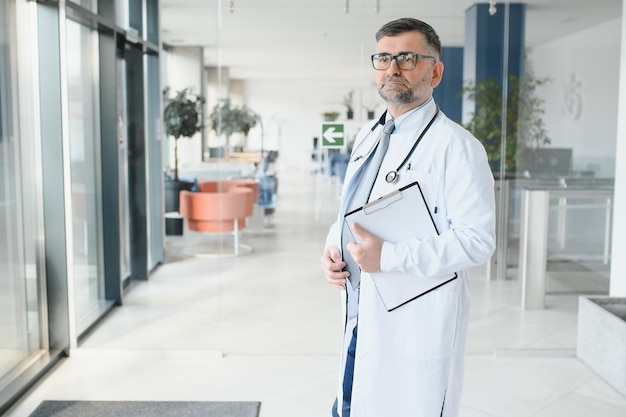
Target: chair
{"points": [[217, 212], [223, 186]]}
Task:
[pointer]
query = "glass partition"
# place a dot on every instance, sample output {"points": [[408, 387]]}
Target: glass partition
{"points": [[152, 21], [558, 191], [23, 331], [84, 137], [49, 298], [123, 186], [91, 5], [121, 14], [540, 112], [14, 345]]}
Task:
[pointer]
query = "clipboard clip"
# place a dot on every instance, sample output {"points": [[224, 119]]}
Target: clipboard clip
{"points": [[382, 202]]}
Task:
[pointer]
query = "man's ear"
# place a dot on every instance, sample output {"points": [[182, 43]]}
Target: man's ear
{"points": [[437, 74]]}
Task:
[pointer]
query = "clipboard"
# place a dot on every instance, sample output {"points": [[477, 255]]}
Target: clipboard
{"points": [[394, 217]]}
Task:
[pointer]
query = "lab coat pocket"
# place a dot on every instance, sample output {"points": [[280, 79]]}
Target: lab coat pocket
{"points": [[426, 327], [429, 184]]}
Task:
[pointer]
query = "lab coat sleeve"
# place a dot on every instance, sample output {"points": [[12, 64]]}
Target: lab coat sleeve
{"points": [[334, 236], [467, 201]]}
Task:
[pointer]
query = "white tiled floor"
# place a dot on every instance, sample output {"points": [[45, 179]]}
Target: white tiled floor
{"points": [[266, 327]]}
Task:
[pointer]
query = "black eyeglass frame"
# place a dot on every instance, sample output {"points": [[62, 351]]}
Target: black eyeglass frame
{"points": [[402, 55]]}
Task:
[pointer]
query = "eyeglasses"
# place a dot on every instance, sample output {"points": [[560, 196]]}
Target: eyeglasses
{"points": [[405, 60]]}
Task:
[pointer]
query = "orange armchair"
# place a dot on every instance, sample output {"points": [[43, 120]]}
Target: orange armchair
{"points": [[217, 211], [223, 186]]}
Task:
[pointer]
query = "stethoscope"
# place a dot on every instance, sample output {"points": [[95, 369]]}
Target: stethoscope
{"points": [[393, 176]]}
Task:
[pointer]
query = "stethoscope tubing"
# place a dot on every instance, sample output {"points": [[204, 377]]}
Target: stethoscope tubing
{"points": [[380, 122], [393, 176]]}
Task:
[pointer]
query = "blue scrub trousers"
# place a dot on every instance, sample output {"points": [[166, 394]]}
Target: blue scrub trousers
{"points": [[348, 377]]}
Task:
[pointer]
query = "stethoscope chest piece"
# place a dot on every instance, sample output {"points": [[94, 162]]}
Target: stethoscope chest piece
{"points": [[392, 177]]}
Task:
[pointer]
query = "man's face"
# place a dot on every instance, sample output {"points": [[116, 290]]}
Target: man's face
{"points": [[407, 87]]}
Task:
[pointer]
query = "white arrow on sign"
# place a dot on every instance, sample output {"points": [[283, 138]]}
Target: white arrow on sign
{"points": [[330, 135]]}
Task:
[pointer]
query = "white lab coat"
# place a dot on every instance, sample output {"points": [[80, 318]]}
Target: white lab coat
{"points": [[409, 362]]}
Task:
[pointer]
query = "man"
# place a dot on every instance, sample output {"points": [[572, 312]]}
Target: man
{"points": [[408, 362]]}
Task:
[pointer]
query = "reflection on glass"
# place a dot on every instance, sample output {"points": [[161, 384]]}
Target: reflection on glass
{"points": [[19, 320], [565, 146], [84, 152], [12, 310], [91, 5], [152, 21], [121, 13], [124, 192]]}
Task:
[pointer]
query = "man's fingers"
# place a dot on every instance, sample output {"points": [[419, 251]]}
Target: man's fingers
{"points": [[333, 254], [337, 279], [333, 266], [361, 232]]}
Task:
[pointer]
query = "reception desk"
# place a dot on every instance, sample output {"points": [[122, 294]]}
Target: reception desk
{"points": [[249, 157]]}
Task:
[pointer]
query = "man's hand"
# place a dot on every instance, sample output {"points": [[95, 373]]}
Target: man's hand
{"points": [[332, 266], [367, 253]]}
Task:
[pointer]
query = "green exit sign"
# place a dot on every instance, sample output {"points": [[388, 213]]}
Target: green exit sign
{"points": [[333, 135]]}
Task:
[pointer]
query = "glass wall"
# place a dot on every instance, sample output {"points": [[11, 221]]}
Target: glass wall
{"points": [[84, 139], [14, 344], [91, 5], [23, 331], [65, 205], [124, 204], [556, 194], [541, 107], [121, 14]]}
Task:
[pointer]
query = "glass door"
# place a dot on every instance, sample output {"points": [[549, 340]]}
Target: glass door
{"points": [[23, 333], [124, 197], [13, 309], [84, 138]]}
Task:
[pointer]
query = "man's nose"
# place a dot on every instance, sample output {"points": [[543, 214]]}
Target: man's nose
{"points": [[394, 69]]}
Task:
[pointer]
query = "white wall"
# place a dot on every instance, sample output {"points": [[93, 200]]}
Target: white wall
{"points": [[184, 69], [292, 110], [581, 98]]}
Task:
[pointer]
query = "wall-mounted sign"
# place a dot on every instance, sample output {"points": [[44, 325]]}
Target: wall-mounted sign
{"points": [[333, 135]]}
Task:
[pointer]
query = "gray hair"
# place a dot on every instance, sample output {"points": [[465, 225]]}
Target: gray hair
{"points": [[407, 24]]}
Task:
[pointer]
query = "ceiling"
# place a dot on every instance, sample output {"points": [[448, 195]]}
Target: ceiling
{"points": [[315, 39]]}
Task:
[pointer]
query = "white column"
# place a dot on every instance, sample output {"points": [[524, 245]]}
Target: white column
{"points": [[184, 69], [618, 253], [218, 88]]}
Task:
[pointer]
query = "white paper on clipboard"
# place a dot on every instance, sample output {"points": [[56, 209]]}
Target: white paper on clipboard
{"points": [[395, 217]]}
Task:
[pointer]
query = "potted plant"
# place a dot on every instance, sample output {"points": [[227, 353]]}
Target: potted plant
{"points": [[370, 112], [525, 129], [226, 119], [330, 116], [347, 101], [182, 118]]}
